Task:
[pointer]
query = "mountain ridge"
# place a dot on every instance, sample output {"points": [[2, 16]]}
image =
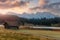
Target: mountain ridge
{"points": [[37, 15]]}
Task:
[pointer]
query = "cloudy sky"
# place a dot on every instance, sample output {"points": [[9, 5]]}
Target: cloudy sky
{"points": [[30, 6]]}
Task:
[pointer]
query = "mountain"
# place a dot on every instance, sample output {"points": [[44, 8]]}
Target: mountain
{"points": [[37, 15], [32, 15]]}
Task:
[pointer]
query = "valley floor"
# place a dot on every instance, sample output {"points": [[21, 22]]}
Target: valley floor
{"points": [[25, 34]]}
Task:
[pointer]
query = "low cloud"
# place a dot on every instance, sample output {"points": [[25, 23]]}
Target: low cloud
{"points": [[53, 7], [23, 6], [12, 3]]}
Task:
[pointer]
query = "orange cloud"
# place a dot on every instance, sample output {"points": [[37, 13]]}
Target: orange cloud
{"points": [[23, 6], [4, 4], [43, 2], [13, 6]]}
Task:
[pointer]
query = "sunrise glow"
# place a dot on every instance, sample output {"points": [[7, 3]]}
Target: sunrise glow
{"points": [[27, 6]]}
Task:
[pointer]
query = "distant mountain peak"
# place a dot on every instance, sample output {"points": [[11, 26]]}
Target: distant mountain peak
{"points": [[33, 15], [38, 15]]}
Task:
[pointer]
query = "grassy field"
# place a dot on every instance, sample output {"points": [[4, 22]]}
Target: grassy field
{"points": [[23, 34]]}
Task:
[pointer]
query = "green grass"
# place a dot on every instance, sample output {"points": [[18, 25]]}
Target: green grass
{"points": [[6, 34]]}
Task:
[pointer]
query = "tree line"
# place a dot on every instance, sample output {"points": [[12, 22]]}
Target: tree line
{"points": [[42, 21]]}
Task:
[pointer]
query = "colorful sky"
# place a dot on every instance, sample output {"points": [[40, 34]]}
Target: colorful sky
{"points": [[30, 6]]}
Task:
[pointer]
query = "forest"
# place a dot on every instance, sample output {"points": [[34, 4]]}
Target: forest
{"points": [[43, 21]]}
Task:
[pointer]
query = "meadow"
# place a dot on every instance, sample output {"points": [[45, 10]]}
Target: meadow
{"points": [[25, 34]]}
